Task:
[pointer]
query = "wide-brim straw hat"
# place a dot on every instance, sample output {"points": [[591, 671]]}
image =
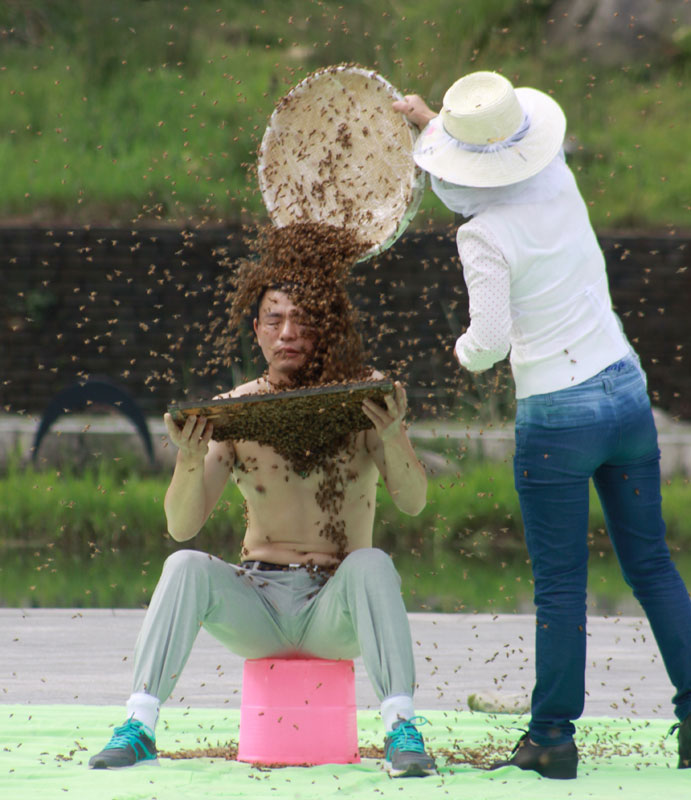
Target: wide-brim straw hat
{"points": [[490, 134]]}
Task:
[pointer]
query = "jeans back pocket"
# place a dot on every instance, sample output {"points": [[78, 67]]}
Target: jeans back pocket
{"points": [[569, 416]]}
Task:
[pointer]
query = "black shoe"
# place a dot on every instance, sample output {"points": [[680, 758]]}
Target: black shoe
{"points": [[684, 738], [558, 761]]}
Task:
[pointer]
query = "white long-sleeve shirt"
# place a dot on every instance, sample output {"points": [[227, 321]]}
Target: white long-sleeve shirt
{"points": [[537, 287]]}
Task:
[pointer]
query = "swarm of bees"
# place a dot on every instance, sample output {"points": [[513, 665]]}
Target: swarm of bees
{"points": [[314, 260], [313, 425], [302, 425]]}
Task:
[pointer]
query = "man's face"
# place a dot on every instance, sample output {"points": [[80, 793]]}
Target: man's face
{"points": [[284, 334]]}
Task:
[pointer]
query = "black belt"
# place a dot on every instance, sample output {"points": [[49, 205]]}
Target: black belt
{"points": [[267, 566]]}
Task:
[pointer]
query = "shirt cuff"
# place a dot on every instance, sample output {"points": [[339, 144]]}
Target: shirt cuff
{"points": [[473, 359]]}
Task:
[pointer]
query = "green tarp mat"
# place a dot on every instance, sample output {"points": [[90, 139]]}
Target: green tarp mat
{"points": [[45, 750]]}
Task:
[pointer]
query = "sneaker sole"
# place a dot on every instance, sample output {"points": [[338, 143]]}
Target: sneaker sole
{"points": [[153, 762], [411, 771]]}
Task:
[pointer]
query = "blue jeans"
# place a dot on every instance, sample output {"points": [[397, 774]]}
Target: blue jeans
{"points": [[602, 429]]}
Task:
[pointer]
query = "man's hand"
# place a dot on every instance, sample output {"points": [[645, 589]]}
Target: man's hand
{"points": [[393, 454], [415, 108], [388, 422], [192, 439]]}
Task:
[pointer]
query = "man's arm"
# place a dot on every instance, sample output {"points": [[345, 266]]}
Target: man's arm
{"points": [[201, 471], [393, 454]]}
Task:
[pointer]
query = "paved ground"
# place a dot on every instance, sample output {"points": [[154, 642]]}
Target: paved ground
{"points": [[72, 656]]}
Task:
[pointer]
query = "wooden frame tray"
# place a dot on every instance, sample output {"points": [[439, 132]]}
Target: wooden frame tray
{"points": [[310, 419]]}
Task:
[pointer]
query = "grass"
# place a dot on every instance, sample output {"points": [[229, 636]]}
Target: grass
{"points": [[457, 584], [97, 538], [132, 112], [450, 583], [471, 510]]}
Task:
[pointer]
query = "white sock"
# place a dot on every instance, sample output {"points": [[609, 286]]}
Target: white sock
{"points": [[145, 708], [395, 707]]}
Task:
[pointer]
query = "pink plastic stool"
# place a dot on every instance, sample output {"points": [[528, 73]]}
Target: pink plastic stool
{"points": [[298, 711]]}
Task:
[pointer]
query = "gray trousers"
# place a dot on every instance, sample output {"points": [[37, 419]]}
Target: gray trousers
{"points": [[359, 610]]}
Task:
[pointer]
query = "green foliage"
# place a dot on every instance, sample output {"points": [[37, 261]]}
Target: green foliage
{"points": [[98, 508], [462, 584], [129, 111], [472, 513], [96, 538], [49, 578]]}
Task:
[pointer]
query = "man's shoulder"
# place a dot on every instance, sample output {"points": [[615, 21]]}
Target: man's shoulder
{"points": [[374, 374], [251, 387]]}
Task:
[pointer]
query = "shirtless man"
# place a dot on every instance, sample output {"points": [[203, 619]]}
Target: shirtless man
{"points": [[276, 602]]}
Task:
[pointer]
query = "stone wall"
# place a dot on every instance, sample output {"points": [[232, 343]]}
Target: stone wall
{"points": [[135, 307]]}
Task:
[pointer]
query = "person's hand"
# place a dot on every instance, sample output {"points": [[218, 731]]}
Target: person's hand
{"points": [[388, 422], [192, 439], [415, 109]]}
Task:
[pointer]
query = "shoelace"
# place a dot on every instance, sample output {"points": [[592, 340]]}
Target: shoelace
{"points": [[127, 734], [521, 741], [406, 737], [677, 725]]}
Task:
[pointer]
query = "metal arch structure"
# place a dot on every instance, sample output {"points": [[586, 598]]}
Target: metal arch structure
{"points": [[79, 396]]}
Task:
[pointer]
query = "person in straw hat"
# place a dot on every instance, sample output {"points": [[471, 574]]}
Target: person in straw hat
{"points": [[537, 288]]}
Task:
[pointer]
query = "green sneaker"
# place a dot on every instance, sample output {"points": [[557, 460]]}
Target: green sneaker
{"points": [[404, 750], [131, 743]]}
